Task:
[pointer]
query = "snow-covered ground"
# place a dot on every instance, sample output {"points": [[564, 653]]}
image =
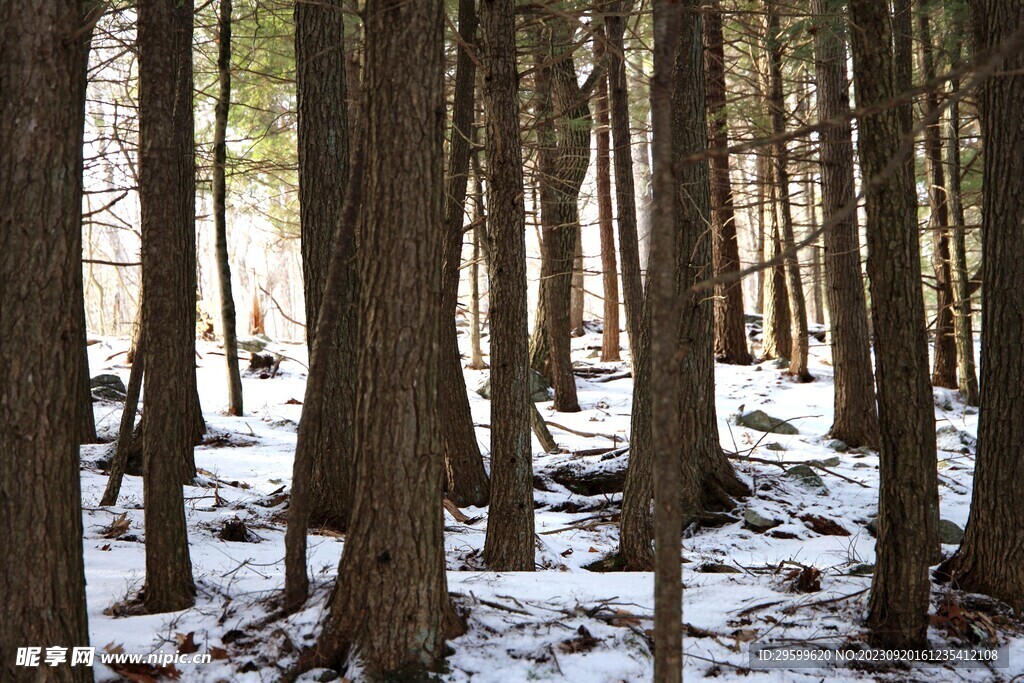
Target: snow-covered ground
{"points": [[562, 622]]}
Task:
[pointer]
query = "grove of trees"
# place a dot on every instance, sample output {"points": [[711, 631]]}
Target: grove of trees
{"points": [[767, 179]]}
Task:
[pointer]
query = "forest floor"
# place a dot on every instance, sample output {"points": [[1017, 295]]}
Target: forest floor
{"points": [[804, 579]]}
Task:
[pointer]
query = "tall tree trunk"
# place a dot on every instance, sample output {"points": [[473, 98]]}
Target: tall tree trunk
{"points": [[991, 557], [609, 268], [220, 156], [466, 480], [391, 604], [794, 284], [86, 418], [944, 363], [855, 415], [564, 157], [578, 298], [510, 538], [961, 279], [776, 336], [908, 497], [674, 25], [709, 482], [323, 140], [730, 324], [125, 433], [625, 192], [476, 361], [167, 202], [42, 593], [635, 530], [325, 350], [817, 280]]}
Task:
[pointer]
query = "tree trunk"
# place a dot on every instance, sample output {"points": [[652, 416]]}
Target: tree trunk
{"points": [[510, 537], [944, 364], [730, 324], [126, 432], [817, 280], [625, 192], [609, 268], [578, 298], [86, 418], [220, 156], [709, 482], [466, 480], [855, 418], [325, 350], [167, 202], [777, 341], [794, 284], [908, 497], [676, 26], [991, 557], [42, 592], [476, 361], [563, 159], [391, 605], [961, 279], [635, 531], [323, 140]]}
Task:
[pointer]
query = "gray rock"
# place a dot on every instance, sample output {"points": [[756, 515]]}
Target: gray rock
{"points": [[838, 445], [828, 462], [758, 522], [950, 533], [805, 476], [949, 438], [763, 422], [108, 387], [540, 389]]}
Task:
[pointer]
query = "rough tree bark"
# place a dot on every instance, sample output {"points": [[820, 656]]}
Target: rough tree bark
{"points": [[944, 362], [466, 480], [167, 202], [730, 324], [609, 268], [86, 418], [42, 581], [855, 418], [220, 156], [991, 557], [635, 532], [674, 27], [794, 285], [564, 155], [625, 192], [510, 538], [323, 140], [391, 603], [709, 482], [908, 497], [966, 371]]}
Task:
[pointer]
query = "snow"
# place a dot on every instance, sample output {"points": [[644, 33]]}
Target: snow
{"points": [[562, 622]]}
